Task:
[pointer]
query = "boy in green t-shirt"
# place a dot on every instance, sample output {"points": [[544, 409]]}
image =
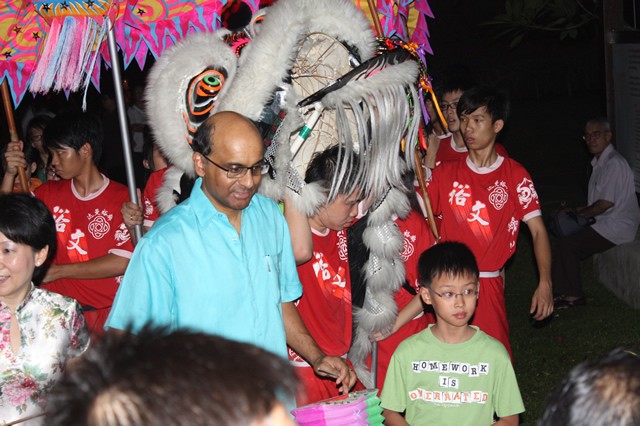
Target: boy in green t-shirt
{"points": [[451, 373]]}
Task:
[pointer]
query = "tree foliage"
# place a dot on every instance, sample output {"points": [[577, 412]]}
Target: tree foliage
{"points": [[566, 18]]}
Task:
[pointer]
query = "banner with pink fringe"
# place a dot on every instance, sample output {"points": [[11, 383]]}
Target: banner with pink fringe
{"points": [[60, 44]]}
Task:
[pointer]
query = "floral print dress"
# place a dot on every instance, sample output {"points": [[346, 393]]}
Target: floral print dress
{"points": [[52, 330]]}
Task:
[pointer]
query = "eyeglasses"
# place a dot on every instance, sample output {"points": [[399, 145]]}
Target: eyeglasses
{"points": [[236, 172], [35, 138], [595, 134], [450, 295], [451, 105]]}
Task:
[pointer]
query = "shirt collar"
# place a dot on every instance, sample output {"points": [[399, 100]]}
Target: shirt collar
{"points": [[485, 170], [27, 298], [204, 209], [608, 151]]}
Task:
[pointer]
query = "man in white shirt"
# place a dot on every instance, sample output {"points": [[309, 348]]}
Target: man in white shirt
{"points": [[611, 201]]}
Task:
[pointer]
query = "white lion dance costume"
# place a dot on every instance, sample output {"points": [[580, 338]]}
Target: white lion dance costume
{"points": [[311, 73]]}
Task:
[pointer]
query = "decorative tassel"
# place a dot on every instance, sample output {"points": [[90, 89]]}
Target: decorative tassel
{"points": [[70, 54]]}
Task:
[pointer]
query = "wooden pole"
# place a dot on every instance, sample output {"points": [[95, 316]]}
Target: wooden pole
{"points": [[13, 131], [425, 197], [376, 19]]}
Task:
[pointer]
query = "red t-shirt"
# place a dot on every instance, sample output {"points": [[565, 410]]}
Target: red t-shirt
{"points": [[483, 207], [325, 305], [87, 228], [151, 212]]}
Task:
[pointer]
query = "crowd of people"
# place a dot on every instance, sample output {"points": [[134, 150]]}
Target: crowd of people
{"points": [[229, 279]]}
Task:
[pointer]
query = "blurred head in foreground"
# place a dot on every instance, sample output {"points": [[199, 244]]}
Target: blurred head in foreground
{"points": [[177, 378]]}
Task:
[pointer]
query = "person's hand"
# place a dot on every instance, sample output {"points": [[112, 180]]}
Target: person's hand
{"points": [[338, 369], [132, 214], [381, 335], [53, 273], [14, 158], [542, 301]]}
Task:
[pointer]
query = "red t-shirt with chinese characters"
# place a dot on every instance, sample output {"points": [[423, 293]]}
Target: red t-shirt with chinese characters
{"points": [[151, 212], [325, 305], [483, 207], [87, 228], [448, 150]]}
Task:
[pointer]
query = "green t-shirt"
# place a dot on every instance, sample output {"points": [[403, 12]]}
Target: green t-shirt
{"points": [[451, 384]]}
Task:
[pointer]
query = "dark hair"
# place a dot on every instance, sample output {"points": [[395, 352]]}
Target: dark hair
{"points": [[335, 168], [202, 140], [447, 258], [26, 220], [73, 130], [201, 143], [495, 101], [147, 148], [31, 155], [601, 392], [159, 378], [38, 122]]}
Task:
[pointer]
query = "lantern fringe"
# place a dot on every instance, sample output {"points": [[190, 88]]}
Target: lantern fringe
{"points": [[69, 54]]}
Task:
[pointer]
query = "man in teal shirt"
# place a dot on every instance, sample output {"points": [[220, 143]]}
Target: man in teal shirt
{"points": [[221, 262]]}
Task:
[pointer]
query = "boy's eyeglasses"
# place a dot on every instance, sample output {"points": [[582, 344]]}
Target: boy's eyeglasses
{"points": [[236, 172], [446, 106], [450, 295]]}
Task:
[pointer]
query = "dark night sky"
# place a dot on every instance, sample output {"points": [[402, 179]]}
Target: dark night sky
{"points": [[540, 66], [554, 86]]}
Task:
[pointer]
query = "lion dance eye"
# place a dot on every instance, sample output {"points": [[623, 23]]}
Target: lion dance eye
{"points": [[201, 97]]}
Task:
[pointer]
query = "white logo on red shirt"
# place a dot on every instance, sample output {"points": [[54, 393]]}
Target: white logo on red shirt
{"points": [[459, 194], [526, 192], [122, 235], [148, 207], [513, 226], [75, 242], [498, 195], [475, 216], [342, 245], [407, 248], [99, 223], [60, 218]]}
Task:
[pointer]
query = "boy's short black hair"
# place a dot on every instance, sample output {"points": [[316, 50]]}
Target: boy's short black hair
{"points": [[326, 165], [447, 258], [494, 100], [73, 130]]}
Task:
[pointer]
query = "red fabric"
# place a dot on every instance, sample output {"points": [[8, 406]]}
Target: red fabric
{"points": [[491, 312], [484, 210], [154, 183], [86, 229], [316, 389], [447, 153], [325, 306], [417, 239]]}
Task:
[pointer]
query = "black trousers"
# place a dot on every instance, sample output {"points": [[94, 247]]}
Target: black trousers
{"points": [[568, 253]]}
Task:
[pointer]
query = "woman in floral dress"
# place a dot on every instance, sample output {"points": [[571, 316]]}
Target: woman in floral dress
{"points": [[39, 330]]}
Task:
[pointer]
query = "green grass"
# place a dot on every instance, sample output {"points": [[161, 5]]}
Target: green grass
{"points": [[544, 355]]}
